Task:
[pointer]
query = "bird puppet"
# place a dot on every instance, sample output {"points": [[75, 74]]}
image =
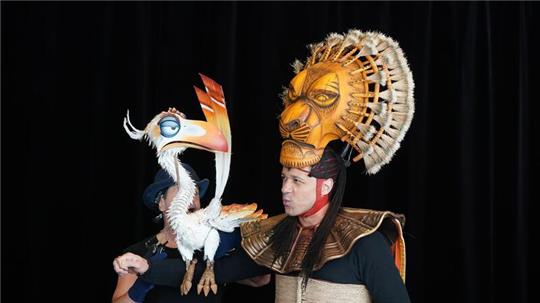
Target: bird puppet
{"points": [[170, 133]]}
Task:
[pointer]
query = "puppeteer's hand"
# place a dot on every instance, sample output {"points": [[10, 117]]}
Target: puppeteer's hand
{"points": [[139, 289], [130, 263]]}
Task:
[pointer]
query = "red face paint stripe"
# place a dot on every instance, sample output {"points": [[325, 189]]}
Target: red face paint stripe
{"points": [[320, 201]]}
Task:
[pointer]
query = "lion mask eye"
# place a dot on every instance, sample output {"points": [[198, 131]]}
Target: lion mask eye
{"points": [[323, 98], [325, 90]]}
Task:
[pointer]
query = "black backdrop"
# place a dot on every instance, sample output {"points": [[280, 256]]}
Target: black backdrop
{"points": [[72, 178]]}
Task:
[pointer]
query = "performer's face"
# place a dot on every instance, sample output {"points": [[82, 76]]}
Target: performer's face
{"points": [[166, 199], [297, 190]]}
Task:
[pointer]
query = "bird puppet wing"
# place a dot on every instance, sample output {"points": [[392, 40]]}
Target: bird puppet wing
{"points": [[231, 216]]}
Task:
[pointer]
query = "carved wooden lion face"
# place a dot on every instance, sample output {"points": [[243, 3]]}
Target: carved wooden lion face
{"points": [[317, 100]]}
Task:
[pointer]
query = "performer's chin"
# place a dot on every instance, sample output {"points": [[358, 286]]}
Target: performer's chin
{"points": [[289, 211]]}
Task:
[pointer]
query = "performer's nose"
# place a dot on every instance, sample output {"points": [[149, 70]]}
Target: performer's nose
{"points": [[285, 188]]}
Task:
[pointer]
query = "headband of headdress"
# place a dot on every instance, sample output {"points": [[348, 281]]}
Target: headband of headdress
{"points": [[328, 166], [356, 87]]}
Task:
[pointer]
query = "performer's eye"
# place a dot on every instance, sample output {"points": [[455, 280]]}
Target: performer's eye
{"points": [[169, 126]]}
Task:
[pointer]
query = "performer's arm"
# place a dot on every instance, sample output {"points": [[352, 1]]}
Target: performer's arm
{"points": [[123, 284], [129, 288], [378, 270], [257, 281], [237, 266]]}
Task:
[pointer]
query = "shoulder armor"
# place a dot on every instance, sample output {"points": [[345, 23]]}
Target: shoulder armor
{"points": [[351, 224]]}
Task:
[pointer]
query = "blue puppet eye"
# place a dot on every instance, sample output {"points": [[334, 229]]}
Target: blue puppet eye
{"points": [[169, 126]]}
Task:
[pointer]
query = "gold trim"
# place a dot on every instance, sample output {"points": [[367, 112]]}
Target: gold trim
{"points": [[351, 224]]}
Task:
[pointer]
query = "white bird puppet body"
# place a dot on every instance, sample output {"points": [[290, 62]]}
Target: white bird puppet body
{"points": [[171, 133]]}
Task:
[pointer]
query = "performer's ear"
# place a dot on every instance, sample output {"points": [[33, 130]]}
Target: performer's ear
{"points": [[327, 186], [161, 204]]}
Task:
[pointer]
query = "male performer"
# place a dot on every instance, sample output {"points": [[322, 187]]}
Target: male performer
{"points": [[356, 88]]}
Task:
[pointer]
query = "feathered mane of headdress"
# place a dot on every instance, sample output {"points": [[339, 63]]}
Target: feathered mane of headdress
{"points": [[380, 114]]}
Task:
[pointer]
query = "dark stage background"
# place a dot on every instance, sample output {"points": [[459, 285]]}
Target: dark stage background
{"points": [[72, 179]]}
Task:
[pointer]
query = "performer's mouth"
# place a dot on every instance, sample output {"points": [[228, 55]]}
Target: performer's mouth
{"points": [[286, 202]]}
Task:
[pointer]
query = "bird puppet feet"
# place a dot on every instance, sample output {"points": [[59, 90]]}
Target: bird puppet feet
{"points": [[188, 277], [208, 280]]}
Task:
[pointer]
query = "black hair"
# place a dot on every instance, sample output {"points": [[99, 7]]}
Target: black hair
{"points": [[286, 231]]}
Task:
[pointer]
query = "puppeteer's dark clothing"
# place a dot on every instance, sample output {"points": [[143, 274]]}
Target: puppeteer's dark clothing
{"points": [[171, 293], [161, 293], [234, 267], [368, 264]]}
